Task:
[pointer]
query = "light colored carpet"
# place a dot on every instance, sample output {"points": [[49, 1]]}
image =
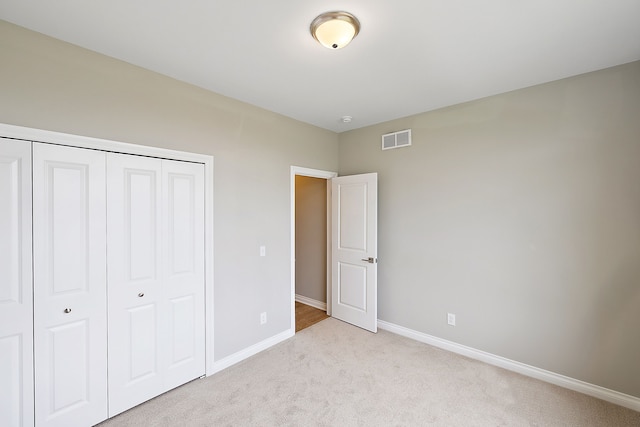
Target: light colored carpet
{"points": [[334, 374]]}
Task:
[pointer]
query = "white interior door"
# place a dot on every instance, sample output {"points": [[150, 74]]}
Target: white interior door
{"points": [[135, 291], [70, 313], [183, 264], [16, 301], [354, 249]]}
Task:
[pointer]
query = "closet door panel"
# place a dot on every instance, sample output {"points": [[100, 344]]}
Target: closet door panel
{"points": [[183, 261], [135, 280], [70, 323], [16, 309], [72, 389]]}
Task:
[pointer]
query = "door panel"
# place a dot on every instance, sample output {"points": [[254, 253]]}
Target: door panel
{"points": [[68, 347], [352, 286], [144, 347], [352, 227], [354, 249], [16, 312], [70, 325], [183, 310], [180, 223], [69, 220], [135, 290], [183, 260]]}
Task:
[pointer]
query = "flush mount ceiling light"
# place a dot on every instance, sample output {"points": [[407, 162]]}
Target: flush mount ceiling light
{"points": [[334, 30]]}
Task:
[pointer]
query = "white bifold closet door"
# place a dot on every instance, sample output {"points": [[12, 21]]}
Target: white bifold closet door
{"points": [[16, 309], [135, 291], [183, 270], [155, 226], [70, 321]]}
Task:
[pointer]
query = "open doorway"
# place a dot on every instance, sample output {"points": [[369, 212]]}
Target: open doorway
{"points": [[351, 247], [310, 246], [311, 251]]}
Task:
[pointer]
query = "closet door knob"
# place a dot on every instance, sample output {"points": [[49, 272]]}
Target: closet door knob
{"points": [[67, 310], [141, 294]]}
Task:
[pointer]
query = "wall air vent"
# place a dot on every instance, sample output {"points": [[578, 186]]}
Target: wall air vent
{"points": [[396, 139]]}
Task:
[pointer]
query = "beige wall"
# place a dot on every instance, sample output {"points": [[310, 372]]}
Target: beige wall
{"points": [[520, 213], [311, 238], [48, 84]]}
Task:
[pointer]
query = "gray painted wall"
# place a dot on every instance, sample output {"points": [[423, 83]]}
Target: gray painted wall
{"points": [[311, 238], [48, 84], [520, 213]]}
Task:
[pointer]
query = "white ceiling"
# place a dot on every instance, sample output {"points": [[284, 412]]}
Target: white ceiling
{"points": [[411, 56]]}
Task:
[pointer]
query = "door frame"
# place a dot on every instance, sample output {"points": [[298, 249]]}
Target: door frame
{"points": [[39, 135], [313, 173]]}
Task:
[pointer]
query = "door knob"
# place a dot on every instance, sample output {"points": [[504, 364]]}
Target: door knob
{"points": [[67, 310], [141, 294], [370, 260]]}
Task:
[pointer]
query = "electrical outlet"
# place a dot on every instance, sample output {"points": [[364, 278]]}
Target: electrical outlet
{"points": [[263, 318], [451, 319]]}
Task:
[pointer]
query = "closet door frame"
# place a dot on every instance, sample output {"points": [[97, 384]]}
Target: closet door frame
{"points": [[39, 135]]}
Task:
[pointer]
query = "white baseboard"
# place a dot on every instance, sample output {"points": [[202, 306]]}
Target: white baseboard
{"points": [[313, 303], [612, 396], [250, 351]]}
